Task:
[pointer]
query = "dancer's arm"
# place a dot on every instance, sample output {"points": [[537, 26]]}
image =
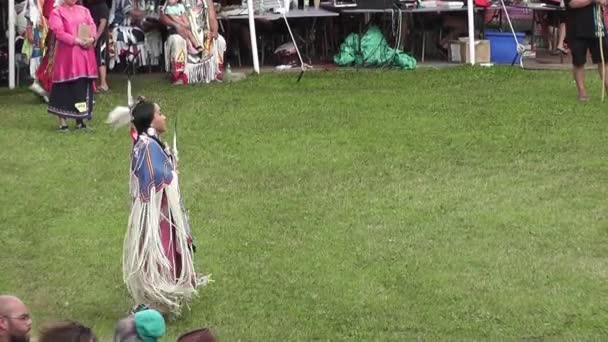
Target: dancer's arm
{"points": [[212, 19]]}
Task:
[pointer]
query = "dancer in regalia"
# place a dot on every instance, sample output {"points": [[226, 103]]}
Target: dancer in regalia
{"points": [[40, 46], [158, 251]]}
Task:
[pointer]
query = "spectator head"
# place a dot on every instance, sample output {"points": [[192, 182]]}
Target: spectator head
{"points": [[15, 320], [143, 326], [67, 332]]}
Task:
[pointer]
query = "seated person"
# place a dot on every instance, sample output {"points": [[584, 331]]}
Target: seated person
{"points": [[454, 25], [549, 27], [199, 67], [133, 34], [176, 11]]}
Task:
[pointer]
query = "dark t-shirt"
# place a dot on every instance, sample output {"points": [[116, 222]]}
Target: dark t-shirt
{"points": [[582, 22], [99, 10]]}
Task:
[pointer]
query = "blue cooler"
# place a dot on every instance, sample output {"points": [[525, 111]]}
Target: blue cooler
{"points": [[503, 48]]}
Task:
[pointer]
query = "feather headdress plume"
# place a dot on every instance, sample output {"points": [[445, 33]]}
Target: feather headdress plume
{"points": [[121, 116]]}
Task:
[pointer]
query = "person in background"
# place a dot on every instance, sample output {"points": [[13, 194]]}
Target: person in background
{"points": [[561, 34], [204, 25], [15, 320], [69, 331], [552, 18], [586, 32], [43, 39], [101, 13], [147, 325], [75, 68]]}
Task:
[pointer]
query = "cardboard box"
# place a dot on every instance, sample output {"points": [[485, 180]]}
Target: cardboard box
{"points": [[454, 52], [459, 51]]}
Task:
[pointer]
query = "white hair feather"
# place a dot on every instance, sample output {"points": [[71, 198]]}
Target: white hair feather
{"points": [[121, 116]]}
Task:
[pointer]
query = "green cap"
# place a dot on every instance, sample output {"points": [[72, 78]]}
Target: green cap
{"points": [[149, 324]]}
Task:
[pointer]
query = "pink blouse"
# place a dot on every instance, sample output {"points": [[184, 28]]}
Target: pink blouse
{"points": [[71, 61]]}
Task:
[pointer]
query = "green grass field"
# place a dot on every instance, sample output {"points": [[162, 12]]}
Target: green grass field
{"points": [[457, 204]]}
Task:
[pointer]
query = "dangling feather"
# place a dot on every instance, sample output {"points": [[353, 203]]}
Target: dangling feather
{"points": [[119, 117]]}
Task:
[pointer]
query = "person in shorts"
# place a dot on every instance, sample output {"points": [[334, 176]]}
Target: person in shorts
{"points": [[100, 13], [586, 32]]}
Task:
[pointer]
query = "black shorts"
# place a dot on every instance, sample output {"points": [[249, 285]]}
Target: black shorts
{"points": [[101, 50], [580, 46]]}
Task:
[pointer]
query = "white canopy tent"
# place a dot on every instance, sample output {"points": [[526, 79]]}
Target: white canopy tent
{"points": [[252, 32], [471, 19], [253, 37], [254, 48]]}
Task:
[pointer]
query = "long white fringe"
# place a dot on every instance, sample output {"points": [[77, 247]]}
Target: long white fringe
{"points": [[34, 64], [147, 270], [203, 72], [197, 70]]}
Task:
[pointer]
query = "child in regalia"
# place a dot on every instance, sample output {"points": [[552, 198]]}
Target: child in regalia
{"points": [[158, 251]]}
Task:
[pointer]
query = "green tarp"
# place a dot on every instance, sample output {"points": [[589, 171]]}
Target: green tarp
{"points": [[374, 51]]}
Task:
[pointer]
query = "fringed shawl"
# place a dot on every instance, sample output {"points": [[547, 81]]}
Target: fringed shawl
{"points": [[147, 270]]}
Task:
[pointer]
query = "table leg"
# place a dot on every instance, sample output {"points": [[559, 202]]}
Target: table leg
{"points": [[482, 34], [360, 36], [556, 34], [325, 44], [532, 43]]}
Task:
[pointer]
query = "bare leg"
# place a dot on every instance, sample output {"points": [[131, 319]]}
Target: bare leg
{"points": [[550, 40], [184, 22], [579, 77], [62, 122], [561, 36], [191, 48], [103, 82]]}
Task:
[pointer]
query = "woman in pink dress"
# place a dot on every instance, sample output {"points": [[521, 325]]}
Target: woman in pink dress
{"points": [[75, 67]]}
